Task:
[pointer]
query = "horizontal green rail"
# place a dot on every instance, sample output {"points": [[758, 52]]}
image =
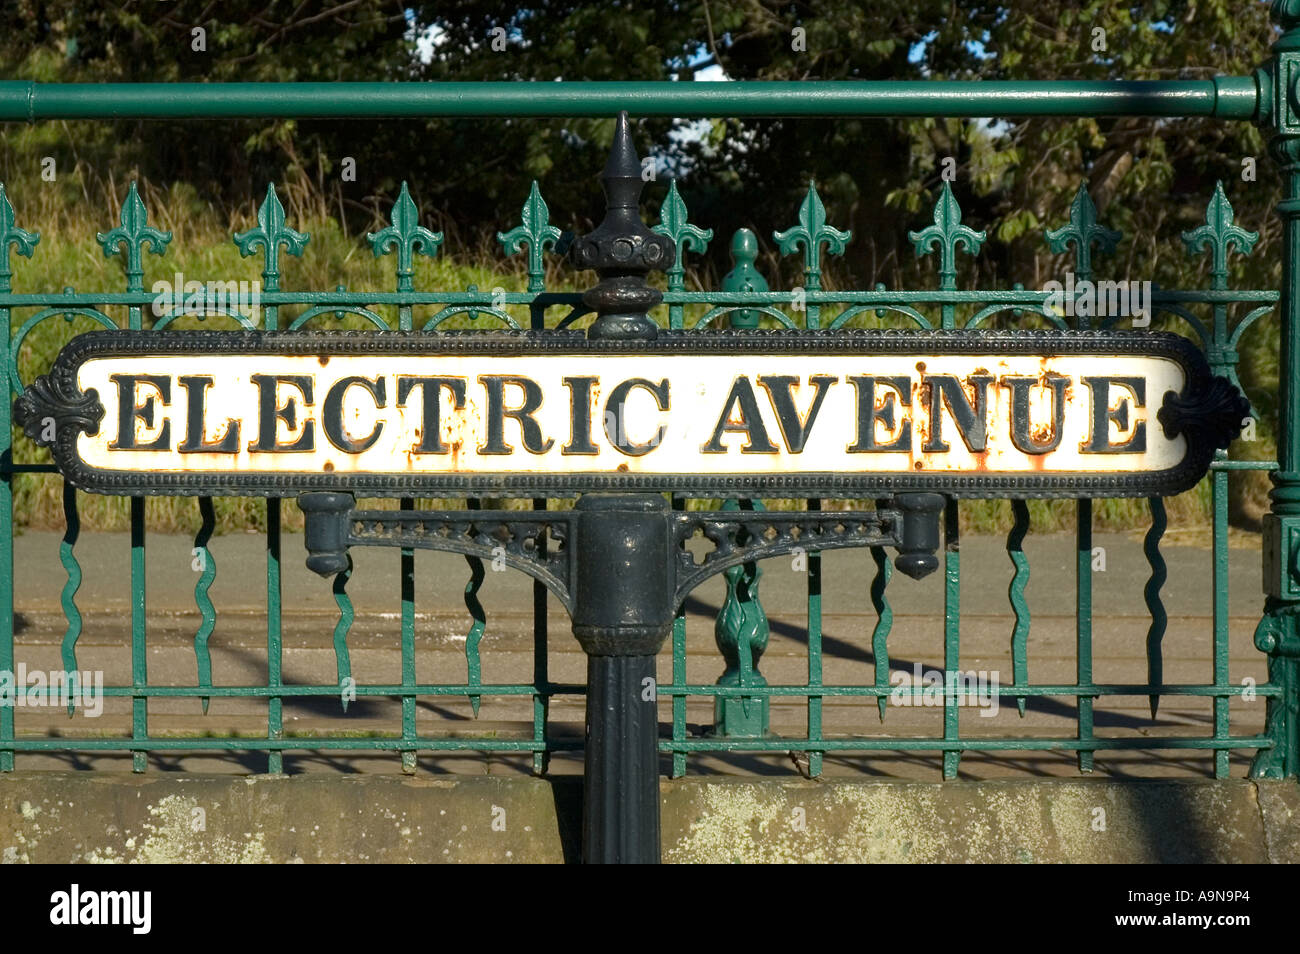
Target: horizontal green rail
{"points": [[885, 743], [305, 744], [1224, 97], [393, 691], [894, 743], [490, 689]]}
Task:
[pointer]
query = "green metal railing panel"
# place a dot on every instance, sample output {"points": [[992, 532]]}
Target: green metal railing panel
{"points": [[744, 300]]}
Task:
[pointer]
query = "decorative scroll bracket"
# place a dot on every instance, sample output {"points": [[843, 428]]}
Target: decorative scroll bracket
{"points": [[910, 523]]}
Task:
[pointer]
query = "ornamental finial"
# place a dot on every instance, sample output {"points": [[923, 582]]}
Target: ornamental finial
{"points": [[622, 250]]}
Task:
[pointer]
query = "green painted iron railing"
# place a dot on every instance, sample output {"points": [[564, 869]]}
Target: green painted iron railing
{"points": [[1217, 317], [742, 694]]}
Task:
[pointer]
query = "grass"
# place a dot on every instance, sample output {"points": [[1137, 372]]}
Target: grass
{"points": [[69, 256]]}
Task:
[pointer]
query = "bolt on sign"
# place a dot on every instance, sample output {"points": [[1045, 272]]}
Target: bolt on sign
{"points": [[1018, 414]]}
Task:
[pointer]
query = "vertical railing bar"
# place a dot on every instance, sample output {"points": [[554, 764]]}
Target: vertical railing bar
{"points": [[202, 601], [407, 586], [6, 528], [274, 645], [274, 708], [951, 634], [1222, 357], [1220, 611], [541, 672], [6, 553], [884, 623], [68, 650], [1155, 605], [814, 649], [139, 653], [541, 597], [473, 661], [1083, 627], [1016, 596], [679, 672], [342, 658]]}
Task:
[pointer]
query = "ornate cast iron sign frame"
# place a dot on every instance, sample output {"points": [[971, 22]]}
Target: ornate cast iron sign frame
{"points": [[737, 413]]}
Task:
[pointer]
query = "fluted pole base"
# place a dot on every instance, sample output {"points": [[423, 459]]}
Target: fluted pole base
{"points": [[621, 785]]}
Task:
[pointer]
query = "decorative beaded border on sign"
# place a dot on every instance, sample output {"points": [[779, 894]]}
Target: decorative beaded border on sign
{"points": [[1205, 411]]}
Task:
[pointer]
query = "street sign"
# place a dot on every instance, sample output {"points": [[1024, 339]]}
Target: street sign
{"points": [[1018, 414]]}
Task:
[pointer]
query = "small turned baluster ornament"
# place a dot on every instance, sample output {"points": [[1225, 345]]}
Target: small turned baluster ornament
{"points": [[744, 277], [622, 250]]}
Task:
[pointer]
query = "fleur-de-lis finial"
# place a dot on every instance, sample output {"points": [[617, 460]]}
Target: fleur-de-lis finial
{"points": [[134, 231], [948, 234], [536, 232], [812, 233], [407, 236], [1084, 232], [271, 232], [1219, 234], [11, 235], [673, 222]]}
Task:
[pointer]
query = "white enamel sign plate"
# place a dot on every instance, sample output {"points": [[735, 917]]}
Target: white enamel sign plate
{"points": [[264, 413]]}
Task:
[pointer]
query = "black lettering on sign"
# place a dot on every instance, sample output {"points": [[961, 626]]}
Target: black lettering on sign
{"points": [[615, 418], [795, 431], [129, 410], [900, 386], [270, 413], [580, 416], [332, 412], [497, 412], [1098, 441], [971, 420], [196, 396], [431, 412], [750, 423], [1021, 437]]}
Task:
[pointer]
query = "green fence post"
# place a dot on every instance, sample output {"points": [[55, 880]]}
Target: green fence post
{"points": [[25, 243], [1278, 633]]}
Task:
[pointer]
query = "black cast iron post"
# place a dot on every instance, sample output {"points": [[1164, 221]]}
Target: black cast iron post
{"points": [[622, 612], [623, 591]]}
